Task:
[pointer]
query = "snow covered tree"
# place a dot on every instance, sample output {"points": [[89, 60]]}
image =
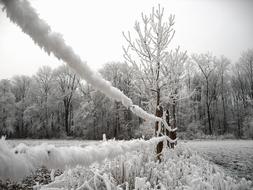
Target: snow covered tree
{"points": [[45, 89], [157, 69], [242, 85], [173, 84], [238, 92], [246, 62], [38, 115], [67, 82], [7, 108], [222, 69], [121, 76], [99, 114], [149, 50], [207, 65], [21, 86]]}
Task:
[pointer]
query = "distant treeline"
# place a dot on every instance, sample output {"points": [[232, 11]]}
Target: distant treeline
{"points": [[214, 97]]}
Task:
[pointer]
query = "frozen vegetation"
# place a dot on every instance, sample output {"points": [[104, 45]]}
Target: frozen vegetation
{"points": [[182, 168], [21, 160]]}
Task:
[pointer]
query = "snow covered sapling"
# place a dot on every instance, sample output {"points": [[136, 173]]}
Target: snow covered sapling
{"points": [[158, 70]]}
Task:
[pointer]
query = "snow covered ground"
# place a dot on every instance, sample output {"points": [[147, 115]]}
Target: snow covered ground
{"points": [[235, 156], [181, 169]]}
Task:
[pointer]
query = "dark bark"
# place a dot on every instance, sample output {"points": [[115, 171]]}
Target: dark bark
{"points": [[67, 105], [223, 105], [238, 120], [66, 118], [208, 108], [159, 147], [168, 122], [116, 121], [173, 134], [225, 127]]}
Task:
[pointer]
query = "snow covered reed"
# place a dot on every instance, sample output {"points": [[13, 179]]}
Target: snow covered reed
{"points": [[18, 162], [21, 13]]}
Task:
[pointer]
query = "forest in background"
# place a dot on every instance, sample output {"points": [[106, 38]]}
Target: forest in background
{"points": [[214, 97]]}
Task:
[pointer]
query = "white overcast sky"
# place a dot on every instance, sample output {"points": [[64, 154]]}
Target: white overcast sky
{"points": [[94, 29]]}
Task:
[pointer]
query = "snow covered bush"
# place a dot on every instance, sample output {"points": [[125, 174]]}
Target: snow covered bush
{"points": [[180, 169]]}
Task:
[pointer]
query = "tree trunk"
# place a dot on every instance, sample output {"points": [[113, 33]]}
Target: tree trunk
{"points": [[209, 120], [168, 122], [158, 113], [216, 118], [66, 119], [159, 147], [116, 120], [238, 120], [223, 106], [173, 134], [224, 115], [94, 127], [208, 108]]}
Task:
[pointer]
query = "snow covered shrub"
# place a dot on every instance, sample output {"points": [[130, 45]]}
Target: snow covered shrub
{"points": [[180, 168]]}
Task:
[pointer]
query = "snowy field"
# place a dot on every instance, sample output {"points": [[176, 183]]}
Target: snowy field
{"points": [[235, 156]]}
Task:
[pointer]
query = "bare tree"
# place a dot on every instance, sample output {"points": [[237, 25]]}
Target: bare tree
{"points": [[44, 79], [246, 63], [149, 48], [158, 70], [121, 76], [223, 64], [21, 86], [7, 108], [207, 66], [242, 87], [67, 83]]}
